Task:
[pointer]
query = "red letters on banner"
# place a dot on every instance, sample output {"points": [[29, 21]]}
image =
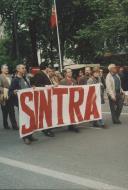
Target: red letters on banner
{"points": [[91, 107], [45, 109], [36, 104], [41, 117], [74, 106], [28, 111], [60, 92]]}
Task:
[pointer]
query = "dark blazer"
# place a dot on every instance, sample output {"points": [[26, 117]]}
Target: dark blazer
{"points": [[83, 80], [41, 79], [16, 85]]}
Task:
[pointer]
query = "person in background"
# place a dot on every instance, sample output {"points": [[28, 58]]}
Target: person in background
{"points": [[42, 79], [69, 81], [103, 85], [124, 81], [6, 104], [126, 84], [80, 75], [95, 79], [20, 82], [126, 78], [83, 80], [52, 76], [122, 77], [115, 93], [59, 76]]}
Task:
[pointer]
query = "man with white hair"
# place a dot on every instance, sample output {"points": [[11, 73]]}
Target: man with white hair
{"points": [[6, 106], [20, 82], [115, 93]]}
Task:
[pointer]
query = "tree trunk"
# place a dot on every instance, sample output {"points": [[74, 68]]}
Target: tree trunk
{"points": [[32, 31], [15, 50]]}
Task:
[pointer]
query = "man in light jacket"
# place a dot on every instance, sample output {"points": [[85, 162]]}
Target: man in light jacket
{"points": [[115, 93], [6, 104]]}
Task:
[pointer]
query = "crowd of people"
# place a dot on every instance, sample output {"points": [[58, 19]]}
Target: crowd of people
{"points": [[115, 83]]}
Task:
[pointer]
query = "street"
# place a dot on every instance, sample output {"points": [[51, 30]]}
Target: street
{"points": [[92, 159]]}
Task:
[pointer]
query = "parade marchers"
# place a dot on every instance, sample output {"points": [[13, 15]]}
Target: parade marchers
{"points": [[9, 85]]}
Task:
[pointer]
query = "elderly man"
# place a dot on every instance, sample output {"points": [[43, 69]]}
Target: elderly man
{"points": [[115, 93], [6, 105], [20, 82], [83, 80]]}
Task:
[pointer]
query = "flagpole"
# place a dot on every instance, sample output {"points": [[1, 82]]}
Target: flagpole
{"points": [[58, 37]]}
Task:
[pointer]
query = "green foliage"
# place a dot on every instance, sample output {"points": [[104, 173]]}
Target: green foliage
{"points": [[108, 28], [5, 54], [88, 28]]}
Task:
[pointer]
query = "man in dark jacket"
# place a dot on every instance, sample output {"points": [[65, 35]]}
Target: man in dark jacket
{"points": [[103, 85], [83, 80], [20, 82], [41, 79], [122, 77]]}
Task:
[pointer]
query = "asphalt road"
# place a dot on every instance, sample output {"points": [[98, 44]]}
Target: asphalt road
{"points": [[92, 159]]}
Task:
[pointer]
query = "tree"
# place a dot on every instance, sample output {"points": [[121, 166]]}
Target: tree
{"points": [[25, 13], [107, 30], [87, 28], [8, 12]]}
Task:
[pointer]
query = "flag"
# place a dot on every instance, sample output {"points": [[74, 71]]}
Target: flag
{"points": [[53, 20]]}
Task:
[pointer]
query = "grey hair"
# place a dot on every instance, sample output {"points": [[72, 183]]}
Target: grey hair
{"points": [[111, 66], [2, 66], [18, 66]]}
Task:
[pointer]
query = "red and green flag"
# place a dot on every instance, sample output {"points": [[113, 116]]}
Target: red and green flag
{"points": [[53, 20]]}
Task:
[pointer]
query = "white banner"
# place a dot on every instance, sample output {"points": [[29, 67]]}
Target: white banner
{"points": [[50, 107]]}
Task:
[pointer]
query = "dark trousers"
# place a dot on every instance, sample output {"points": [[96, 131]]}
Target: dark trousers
{"points": [[8, 110], [102, 96], [116, 107]]}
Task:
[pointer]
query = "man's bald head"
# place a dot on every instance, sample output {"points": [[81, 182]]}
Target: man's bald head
{"points": [[21, 69]]}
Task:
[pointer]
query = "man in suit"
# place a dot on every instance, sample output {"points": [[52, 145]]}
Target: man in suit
{"points": [[42, 79], [115, 93], [69, 81], [6, 104]]}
